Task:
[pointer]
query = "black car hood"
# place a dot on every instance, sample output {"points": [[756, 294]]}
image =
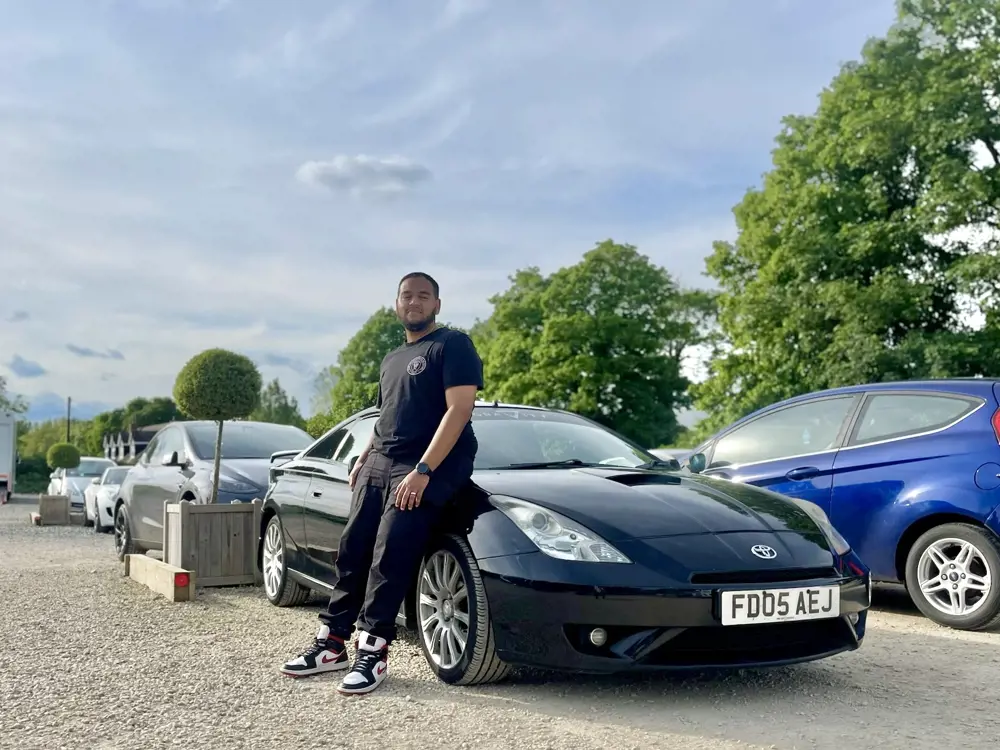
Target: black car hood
{"points": [[623, 504]]}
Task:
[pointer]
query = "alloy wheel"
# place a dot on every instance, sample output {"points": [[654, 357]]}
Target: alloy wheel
{"points": [[443, 609], [273, 562], [954, 576], [120, 531]]}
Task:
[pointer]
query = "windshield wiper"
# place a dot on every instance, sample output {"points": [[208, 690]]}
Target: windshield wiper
{"points": [[548, 464]]}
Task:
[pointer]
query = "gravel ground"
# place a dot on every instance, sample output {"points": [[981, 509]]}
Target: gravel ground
{"points": [[91, 660]]}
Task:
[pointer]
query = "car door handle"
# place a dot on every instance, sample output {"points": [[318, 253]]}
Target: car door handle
{"points": [[803, 472], [317, 493]]}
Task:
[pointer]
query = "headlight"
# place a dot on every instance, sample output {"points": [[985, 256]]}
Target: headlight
{"points": [[840, 545], [556, 535], [228, 484]]}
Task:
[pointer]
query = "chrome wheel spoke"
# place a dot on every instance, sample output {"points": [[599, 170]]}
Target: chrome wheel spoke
{"points": [[954, 576], [444, 627]]}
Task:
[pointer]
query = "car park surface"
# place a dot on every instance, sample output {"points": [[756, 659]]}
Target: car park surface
{"points": [[91, 659]]}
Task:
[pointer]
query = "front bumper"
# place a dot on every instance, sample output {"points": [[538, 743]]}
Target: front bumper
{"points": [[547, 625]]}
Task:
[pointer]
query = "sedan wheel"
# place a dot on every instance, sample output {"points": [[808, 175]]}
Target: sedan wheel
{"points": [[453, 618], [279, 588], [123, 535], [951, 574]]}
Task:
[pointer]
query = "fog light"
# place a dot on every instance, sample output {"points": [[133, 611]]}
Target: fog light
{"points": [[598, 636], [853, 618]]}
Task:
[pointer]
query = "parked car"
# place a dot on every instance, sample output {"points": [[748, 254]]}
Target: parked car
{"points": [[178, 464], [74, 482], [575, 549], [99, 498], [908, 472]]}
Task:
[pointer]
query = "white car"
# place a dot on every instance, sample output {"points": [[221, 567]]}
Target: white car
{"points": [[73, 482], [99, 498]]}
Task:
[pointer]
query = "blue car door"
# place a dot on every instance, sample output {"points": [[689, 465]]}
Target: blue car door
{"points": [[901, 441], [789, 449]]}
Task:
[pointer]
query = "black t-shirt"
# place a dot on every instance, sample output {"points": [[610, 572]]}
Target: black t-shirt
{"points": [[412, 383]]}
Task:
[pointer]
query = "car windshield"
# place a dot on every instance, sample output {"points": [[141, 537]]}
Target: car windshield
{"points": [[115, 476], [246, 439], [511, 436], [89, 468]]}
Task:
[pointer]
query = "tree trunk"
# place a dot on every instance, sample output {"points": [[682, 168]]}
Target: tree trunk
{"points": [[218, 455]]}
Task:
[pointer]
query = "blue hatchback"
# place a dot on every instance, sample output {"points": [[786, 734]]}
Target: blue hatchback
{"points": [[908, 472]]}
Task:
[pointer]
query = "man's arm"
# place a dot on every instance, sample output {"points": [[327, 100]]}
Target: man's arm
{"points": [[462, 378]]}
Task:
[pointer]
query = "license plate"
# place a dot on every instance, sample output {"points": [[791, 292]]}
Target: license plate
{"points": [[780, 605]]}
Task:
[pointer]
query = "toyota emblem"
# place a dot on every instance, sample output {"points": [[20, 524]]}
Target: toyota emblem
{"points": [[763, 551]]}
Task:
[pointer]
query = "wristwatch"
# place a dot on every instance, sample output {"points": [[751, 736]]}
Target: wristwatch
{"points": [[423, 468]]}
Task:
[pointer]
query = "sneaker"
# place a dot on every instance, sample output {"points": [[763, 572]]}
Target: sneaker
{"points": [[371, 664], [325, 655]]}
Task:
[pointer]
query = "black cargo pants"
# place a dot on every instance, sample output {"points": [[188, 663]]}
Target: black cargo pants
{"points": [[382, 545]]}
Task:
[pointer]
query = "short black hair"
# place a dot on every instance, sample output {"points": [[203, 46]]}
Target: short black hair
{"points": [[420, 275]]}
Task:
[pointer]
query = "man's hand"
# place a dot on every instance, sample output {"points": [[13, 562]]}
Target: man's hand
{"points": [[410, 490], [358, 465]]}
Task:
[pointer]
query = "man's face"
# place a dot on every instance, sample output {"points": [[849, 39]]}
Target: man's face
{"points": [[416, 304]]}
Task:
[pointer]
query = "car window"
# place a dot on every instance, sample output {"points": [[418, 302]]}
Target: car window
{"points": [[149, 454], [887, 415], [793, 431], [245, 439], [90, 468], [326, 447], [357, 439], [170, 440]]}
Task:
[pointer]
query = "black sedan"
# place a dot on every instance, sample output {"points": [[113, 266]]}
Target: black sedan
{"points": [[574, 549]]}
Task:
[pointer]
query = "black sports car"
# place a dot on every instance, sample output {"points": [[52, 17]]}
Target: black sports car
{"points": [[574, 549]]}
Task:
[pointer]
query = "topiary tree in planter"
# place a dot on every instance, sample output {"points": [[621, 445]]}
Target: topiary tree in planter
{"points": [[63, 456], [218, 385]]}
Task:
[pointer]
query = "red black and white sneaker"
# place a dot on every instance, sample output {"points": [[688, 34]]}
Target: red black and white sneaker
{"points": [[371, 664], [327, 654]]}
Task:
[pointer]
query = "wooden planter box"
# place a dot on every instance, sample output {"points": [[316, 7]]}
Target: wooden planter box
{"points": [[53, 510], [217, 542]]}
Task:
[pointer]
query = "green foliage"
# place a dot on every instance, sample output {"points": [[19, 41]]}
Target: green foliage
{"points": [[218, 385], [10, 401], [63, 456], [357, 371], [859, 254], [322, 400], [318, 424], [277, 406], [35, 440], [604, 338], [139, 412]]}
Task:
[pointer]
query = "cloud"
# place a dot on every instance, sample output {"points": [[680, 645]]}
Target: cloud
{"points": [[364, 174], [156, 156], [48, 405], [19, 316], [25, 368], [86, 351]]}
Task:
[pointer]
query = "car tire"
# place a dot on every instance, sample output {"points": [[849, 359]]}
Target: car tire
{"points": [[937, 553], [279, 588], [124, 544], [478, 663], [86, 520], [98, 526]]}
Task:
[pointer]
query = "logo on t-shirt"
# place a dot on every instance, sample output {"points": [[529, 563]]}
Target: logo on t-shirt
{"points": [[416, 365]]}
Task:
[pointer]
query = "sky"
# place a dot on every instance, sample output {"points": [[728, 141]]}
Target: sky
{"points": [[183, 174]]}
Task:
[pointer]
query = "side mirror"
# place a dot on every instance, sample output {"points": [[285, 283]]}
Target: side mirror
{"points": [[696, 462], [95, 480], [172, 459], [351, 464], [52, 475]]}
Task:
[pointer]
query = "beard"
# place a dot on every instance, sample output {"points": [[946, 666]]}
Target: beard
{"points": [[416, 326]]}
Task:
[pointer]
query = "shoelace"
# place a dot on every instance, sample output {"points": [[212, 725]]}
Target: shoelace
{"points": [[320, 646], [365, 661]]}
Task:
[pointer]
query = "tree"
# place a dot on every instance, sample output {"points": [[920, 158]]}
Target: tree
{"points": [[63, 456], [139, 412], [277, 406], [604, 338], [11, 401], [218, 385], [875, 234], [322, 400], [35, 440], [357, 371]]}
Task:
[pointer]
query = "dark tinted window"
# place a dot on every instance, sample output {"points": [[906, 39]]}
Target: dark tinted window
{"points": [[326, 447], [361, 432], [246, 439], [898, 414], [793, 431], [511, 436]]}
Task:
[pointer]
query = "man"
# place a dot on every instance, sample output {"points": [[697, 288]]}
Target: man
{"points": [[421, 452]]}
